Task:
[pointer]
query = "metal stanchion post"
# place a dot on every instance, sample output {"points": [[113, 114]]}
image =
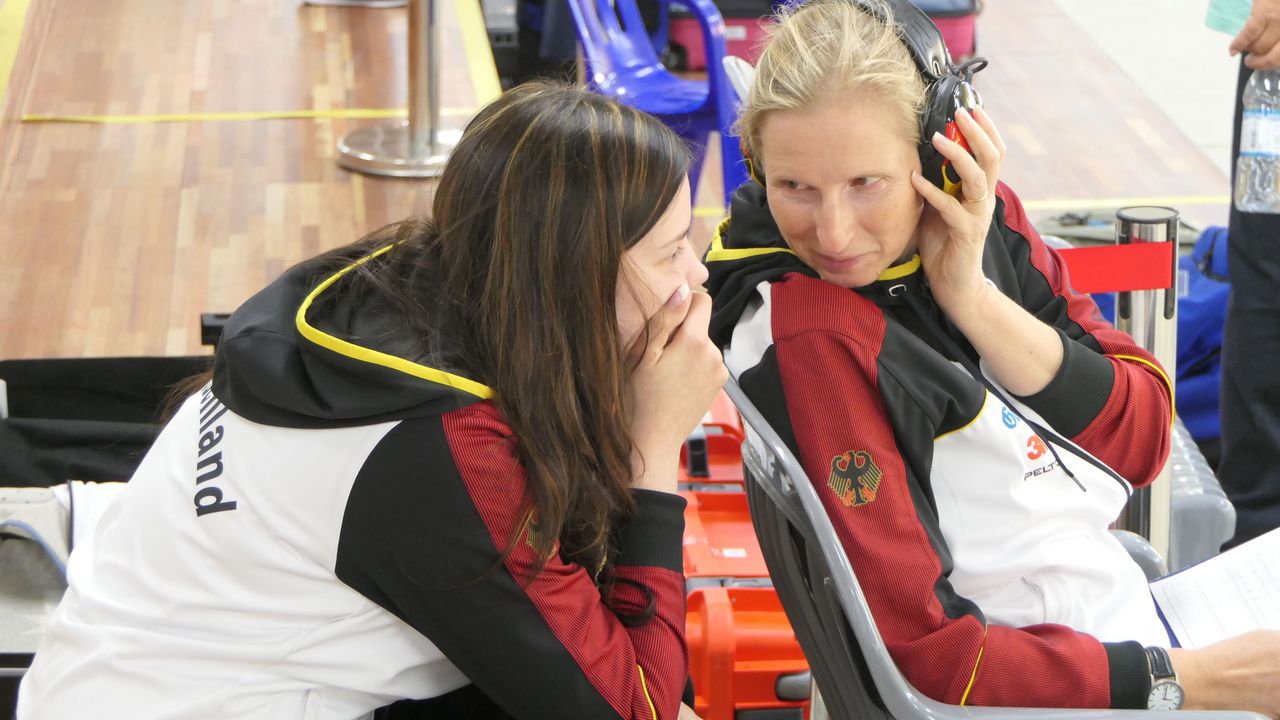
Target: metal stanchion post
{"points": [[1150, 317], [415, 147]]}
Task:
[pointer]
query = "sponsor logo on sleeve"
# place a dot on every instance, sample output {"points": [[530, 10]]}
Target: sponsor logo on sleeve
{"points": [[854, 478]]}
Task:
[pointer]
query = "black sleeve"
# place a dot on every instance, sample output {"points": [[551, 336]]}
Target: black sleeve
{"points": [[426, 525]]}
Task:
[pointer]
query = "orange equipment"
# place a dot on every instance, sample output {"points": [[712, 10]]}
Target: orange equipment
{"points": [[744, 658], [712, 454]]}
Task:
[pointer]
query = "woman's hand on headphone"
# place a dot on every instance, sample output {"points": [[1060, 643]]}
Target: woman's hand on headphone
{"points": [[953, 230]]}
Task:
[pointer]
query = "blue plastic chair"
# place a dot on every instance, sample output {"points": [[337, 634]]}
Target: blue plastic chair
{"points": [[621, 62]]}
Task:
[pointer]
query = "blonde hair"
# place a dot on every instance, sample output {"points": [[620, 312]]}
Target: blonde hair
{"points": [[824, 50]]}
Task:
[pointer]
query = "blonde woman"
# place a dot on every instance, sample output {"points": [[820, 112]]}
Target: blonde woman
{"points": [[970, 423]]}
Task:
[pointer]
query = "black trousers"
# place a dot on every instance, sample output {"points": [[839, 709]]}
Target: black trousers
{"points": [[1250, 400]]}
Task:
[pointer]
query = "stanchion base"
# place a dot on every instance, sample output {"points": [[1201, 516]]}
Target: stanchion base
{"points": [[358, 3], [385, 150]]}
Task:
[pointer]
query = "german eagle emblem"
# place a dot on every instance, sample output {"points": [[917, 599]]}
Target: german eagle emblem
{"points": [[854, 478]]}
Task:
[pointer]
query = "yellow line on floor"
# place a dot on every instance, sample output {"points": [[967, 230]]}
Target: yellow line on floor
{"points": [[337, 114], [351, 114], [13, 16], [484, 74]]}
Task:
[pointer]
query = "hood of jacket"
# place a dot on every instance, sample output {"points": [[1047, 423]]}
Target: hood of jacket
{"points": [[314, 350]]}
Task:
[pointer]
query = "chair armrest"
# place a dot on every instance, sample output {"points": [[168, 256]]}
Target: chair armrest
{"points": [[1142, 552]]}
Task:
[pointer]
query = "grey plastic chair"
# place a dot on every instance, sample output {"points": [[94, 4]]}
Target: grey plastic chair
{"points": [[821, 596]]}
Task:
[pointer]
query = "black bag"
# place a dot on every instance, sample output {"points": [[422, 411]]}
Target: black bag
{"points": [[84, 419]]}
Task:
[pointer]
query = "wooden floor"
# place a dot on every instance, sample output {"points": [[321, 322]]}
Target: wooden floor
{"points": [[114, 237]]}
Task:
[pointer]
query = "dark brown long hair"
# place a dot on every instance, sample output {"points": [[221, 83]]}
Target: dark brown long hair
{"points": [[546, 189]]}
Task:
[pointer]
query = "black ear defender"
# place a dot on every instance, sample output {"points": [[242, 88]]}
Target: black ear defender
{"points": [[948, 87]]}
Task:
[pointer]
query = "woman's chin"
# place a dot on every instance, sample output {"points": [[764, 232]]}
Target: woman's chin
{"points": [[851, 279]]}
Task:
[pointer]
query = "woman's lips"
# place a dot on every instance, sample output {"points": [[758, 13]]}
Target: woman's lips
{"points": [[839, 264]]}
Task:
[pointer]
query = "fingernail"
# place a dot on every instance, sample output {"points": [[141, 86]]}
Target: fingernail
{"points": [[938, 136], [678, 296]]}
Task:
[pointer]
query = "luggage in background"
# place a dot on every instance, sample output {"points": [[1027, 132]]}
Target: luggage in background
{"points": [[744, 30], [745, 23], [957, 19]]}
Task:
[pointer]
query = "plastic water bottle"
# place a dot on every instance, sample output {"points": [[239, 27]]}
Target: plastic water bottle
{"points": [[1258, 166]]}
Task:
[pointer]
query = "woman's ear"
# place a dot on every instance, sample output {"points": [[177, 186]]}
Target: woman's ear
{"points": [[753, 169]]}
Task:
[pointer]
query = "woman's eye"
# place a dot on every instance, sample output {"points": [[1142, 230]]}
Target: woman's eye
{"points": [[791, 184], [679, 249], [862, 181]]}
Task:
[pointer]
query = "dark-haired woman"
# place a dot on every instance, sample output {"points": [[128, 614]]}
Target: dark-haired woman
{"points": [[438, 463]]}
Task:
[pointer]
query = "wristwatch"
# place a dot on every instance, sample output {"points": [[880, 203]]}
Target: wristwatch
{"points": [[1166, 693]]}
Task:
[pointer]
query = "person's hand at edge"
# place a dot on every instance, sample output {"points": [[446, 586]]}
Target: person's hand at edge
{"points": [[1259, 39], [1239, 673]]}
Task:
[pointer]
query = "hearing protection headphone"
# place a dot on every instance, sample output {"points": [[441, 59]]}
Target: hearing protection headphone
{"points": [[948, 87]]}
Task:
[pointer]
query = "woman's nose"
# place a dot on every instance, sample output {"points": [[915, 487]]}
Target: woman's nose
{"points": [[697, 273], [833, 227]]}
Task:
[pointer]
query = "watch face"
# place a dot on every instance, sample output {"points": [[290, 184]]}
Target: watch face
{"points": [[1165, 695]]}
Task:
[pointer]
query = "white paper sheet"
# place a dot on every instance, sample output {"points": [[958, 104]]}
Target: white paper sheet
{"points": [[1225, 595]]}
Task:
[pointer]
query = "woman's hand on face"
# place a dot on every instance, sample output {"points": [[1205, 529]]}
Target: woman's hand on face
{"points": [[677, 371], [953, 230]]}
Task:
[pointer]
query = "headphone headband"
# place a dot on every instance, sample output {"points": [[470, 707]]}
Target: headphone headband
{"points": [[917, 31]]}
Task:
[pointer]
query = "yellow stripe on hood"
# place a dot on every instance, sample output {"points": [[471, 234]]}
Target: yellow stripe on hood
{"points": [[364, 354]]}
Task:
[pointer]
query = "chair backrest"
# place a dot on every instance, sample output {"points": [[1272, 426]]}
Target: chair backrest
{"points": [[608, 44], [740, 75], [812, 575], [824, 602]]}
